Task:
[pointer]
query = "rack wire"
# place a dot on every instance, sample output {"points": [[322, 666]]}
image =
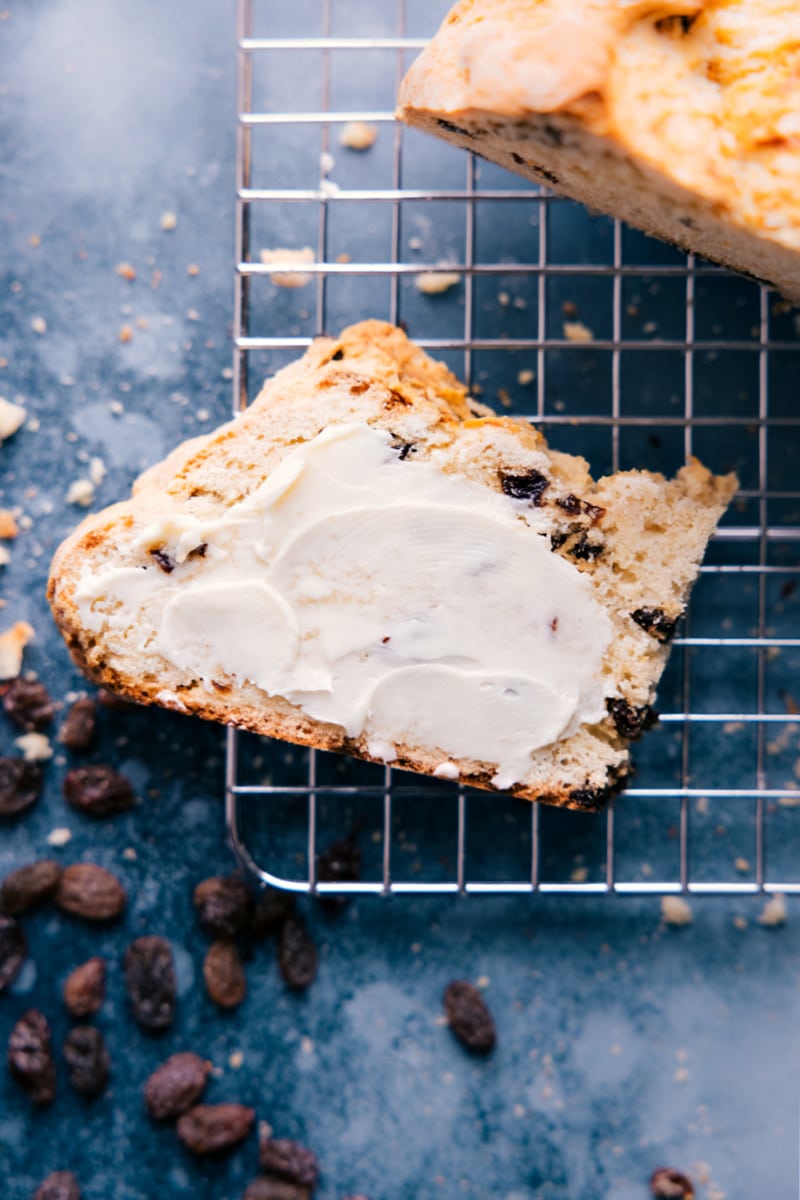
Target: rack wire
{"points": [[720, 774]]}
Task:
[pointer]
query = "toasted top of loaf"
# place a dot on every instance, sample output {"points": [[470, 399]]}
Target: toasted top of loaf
{"points": [[635, 539], [702, 95]]}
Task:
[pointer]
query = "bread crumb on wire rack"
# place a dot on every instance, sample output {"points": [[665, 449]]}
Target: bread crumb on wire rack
{"points": [[288, 279], [774, 911], [12, 643], [435, 283], [358, 135], [80, 492], [11, 417], [676, 911], [576, 331]]}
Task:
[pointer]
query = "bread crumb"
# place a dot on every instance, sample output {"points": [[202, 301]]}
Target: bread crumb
{"points": [[35, 747], [5, 556], [328, 188], [169, 221], [306, 1045], [235, 1060], [702, 806], [80, 492], [415, 243], [12, 642], [34, 240], [97, 471], [125, 333], [59, 837], [202, 414], [343, 258], [358, 135], [126, 270], [8, 524], [569, 308], [130, 854], [116, 407], [193, 270], [435, 283], [519, 1111], [742, 865], [739, 923], [326, 162], [503, 299], [11, 417], [483, 982], [504, 398], [285, 279], [681, 1075], [579, 875], [525, 377], [774, 911], [192, 314], [576, 331], [39, 325], [676, 911]]}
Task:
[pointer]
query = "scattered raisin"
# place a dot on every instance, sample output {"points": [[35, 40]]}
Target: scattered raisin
{"points": [[20, 786], [80, 725], [27, 702], [89, 891], [630, 720], [175, 1086], [591, 799], [164, 560], [30, 1057], [530, 486], [656, 622], [150, 980], [60, 1185], [28, 886], [584, 550], [570, 504], [297, 955], [552, 134], [85, 988], [224, 974], [518, 158], [13, 950], [469, 1016], [267, 1188], [215, 1128], [340, 863], [270, 910], [337, 355], [87, 1059], [223, 905], [669, 1184], [289, 1160], [98, 791]]}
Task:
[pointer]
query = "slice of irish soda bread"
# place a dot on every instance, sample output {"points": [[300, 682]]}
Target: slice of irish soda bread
{"points": [[681, 117], [367, 560]]}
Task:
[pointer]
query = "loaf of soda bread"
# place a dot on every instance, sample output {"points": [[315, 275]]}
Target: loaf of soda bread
{"points": [[681, 117], [368, 561]]}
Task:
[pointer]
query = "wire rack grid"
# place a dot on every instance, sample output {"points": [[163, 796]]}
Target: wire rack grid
{"points": [[740, 776]]}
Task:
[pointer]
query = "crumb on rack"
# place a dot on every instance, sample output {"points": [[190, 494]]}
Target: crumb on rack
{"points": [[288, 279], [169, 221], [579, 874], [80, 492], [504, 398], [35, 747], [526, 377], [503, 299], [576, 331], [125, 333], [5, 556], [193, 270], [358, 135], [326, 162], [12, 643], [742, 865], [774, 911], [676, 911], [34, 240], [97, 471], [415, 243], [39, 325], [11, 417], [435, 283], [235, 1060], [59, 836], [739, 922], [126, 270]]}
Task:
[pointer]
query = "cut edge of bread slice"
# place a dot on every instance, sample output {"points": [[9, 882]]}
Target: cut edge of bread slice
{"points": [[562, 126], [638, 537]]}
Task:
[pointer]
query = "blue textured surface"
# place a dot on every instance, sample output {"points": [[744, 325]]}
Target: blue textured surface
{"points": [[622, 1045]]}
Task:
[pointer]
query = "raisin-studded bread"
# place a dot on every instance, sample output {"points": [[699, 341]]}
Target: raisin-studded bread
{"points": [[681, 118], [627, 547]]}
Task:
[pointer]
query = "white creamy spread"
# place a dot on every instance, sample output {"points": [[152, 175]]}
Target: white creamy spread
{"points": [[385, 596]]}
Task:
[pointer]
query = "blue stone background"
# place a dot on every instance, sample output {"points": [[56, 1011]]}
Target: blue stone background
{"points": [[621, 1044]]}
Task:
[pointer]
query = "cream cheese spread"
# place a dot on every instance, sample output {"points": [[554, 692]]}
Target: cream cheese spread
{"points": [[386, 596]]}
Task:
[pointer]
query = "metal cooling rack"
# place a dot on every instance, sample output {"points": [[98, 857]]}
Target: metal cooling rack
{"points": [[680, 812]]}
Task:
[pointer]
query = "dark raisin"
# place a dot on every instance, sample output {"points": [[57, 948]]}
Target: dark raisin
{"points": [[289, 1160], [12, 951], [98, 791], [85, 988], [30, 1057], [87, 1059], [557, 540], [518, 158], [80, 725], [451, 128], [215, 1128], [585, 551], [164, 560], [175, 1086], [630, 720], [91, 892], [28, 886], [552, 135], [199, 551], [570, 504], [224, 974], [656, 622], [270, 910], [267, 1188], [469, 1017], [590, 799], [20, 786], [668, 1184], [550, 176], [530, 486], [337, 356], [403, 449], [150, 980], [788, 589], [27, 702], [223, 905], [60, 1185], [297, 955], [340, 863]]}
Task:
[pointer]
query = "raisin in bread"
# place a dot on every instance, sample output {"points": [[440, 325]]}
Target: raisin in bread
{"points": [[368, 561], [681, 118]]}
